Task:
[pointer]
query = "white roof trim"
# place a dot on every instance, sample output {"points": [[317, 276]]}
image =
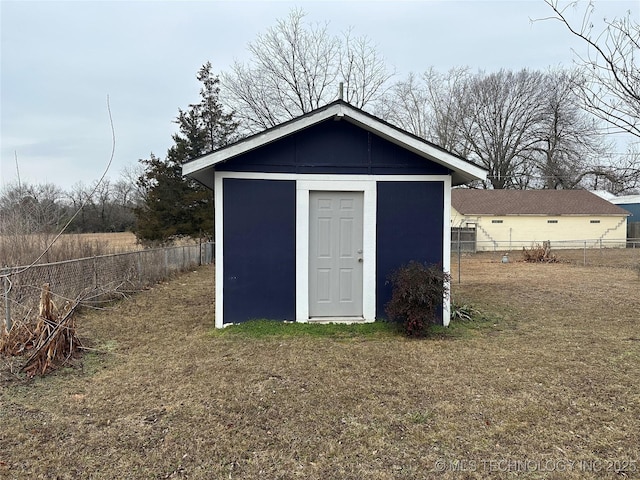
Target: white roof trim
{"points": [[467, 170], [625, 200], [418, 146]]}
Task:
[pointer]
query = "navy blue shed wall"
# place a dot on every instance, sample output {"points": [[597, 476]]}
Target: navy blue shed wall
{"points": [[259, 243], [336, 147], [409, 227]]}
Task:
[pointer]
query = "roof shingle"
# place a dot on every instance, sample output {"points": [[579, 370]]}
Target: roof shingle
{"points": [[531, 202]]}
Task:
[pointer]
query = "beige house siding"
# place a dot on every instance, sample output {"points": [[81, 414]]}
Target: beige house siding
{"points": [[512, 232]]}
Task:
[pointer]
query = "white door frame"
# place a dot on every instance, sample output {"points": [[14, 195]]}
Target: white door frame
{"points": [[368, 187]]}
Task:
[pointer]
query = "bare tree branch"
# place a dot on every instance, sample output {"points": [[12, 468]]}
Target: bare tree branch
{"points": [[296, 67], [610, 88]]}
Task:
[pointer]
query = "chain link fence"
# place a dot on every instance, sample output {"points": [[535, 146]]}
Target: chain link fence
{"points": [[464, 240], [590, 253], [95, 278]]}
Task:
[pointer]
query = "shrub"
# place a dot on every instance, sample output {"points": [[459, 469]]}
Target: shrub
{"points": [[418, 292], [539, 253]]}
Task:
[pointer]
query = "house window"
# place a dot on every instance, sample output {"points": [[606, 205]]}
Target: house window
{"points": [[552, 221], [594, 221], [496, 221]]}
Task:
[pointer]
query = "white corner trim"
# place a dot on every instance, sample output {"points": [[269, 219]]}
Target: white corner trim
{"points": [[219, 259], [302, 252], [446, 249]]}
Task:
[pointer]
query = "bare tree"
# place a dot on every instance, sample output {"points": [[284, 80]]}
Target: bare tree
{"points": [[29, 216], [429, 106], [107, 206], [571, 146], [27, 209], [408, 105], [79, 199], [296, 67], [620, 177], [124, 201], [502, 113], [363, 71], [129, 176], [446, 93], [611, 86], [527, 128]]}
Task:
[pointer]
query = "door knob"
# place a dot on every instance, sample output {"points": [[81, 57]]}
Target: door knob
{"points": [[360, 260]]}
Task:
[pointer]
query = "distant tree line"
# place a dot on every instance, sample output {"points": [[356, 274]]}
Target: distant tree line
{"points": [[46, 208], [529, 128]]}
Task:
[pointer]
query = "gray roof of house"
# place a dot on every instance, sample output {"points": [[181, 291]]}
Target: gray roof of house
{"points": [[531, 202]]}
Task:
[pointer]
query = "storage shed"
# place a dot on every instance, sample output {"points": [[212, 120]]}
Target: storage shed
{"points": [[311, 216]]}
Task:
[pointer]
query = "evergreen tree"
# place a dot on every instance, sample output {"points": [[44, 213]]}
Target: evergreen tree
{"points": [[176, 206]]}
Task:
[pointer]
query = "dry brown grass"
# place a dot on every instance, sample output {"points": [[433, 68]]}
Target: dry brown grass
{"points": [[116, 242], [554, 381], [24, 249]]}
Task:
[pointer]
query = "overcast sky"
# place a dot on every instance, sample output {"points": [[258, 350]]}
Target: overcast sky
{"points": [[60, 60]]}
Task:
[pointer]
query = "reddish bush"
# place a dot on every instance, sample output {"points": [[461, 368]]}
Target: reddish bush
{"points": [[418, 291]]}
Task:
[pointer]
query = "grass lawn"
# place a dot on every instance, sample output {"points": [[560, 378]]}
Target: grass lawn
{"points": [[550, 388]]}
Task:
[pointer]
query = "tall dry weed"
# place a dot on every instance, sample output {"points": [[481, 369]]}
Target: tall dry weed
{"points": [[16, 250]]}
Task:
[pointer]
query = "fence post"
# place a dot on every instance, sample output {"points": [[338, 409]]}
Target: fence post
{"points": [[7, 306], [584, 258]]}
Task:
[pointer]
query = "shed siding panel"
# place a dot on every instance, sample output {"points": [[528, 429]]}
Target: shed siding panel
{"points": [[633, 209], [335, 147], [259, 249], [409, 227]]}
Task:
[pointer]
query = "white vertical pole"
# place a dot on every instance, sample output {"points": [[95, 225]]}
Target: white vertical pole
{"points": [[7, 306], [459, 254]]}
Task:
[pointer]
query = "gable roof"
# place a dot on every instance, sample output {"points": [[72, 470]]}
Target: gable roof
{"points": [[531, 202], [463, 171]]}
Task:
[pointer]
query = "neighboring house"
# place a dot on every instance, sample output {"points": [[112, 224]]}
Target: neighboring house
{"points": [[512, 219], [312, 215]]}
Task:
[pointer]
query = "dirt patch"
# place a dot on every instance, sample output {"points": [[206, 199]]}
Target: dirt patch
{"points": [[548, 391]]}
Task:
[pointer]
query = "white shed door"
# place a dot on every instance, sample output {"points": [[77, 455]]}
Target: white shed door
{"points": [[335, 254]]}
